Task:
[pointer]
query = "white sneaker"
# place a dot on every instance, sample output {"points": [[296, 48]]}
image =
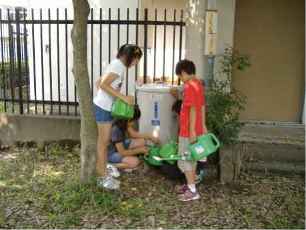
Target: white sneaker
{"points": [[128, 170], [112, 170], [108, 182], [203, 160]]}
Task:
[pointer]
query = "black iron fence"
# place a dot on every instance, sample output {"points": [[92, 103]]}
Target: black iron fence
{"points": [[36, 54]]}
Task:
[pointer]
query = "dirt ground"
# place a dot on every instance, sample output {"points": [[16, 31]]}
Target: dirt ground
{"points": [[40, 189]]}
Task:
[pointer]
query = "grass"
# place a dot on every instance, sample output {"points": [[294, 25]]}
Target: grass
{"points": [[40, 189]]}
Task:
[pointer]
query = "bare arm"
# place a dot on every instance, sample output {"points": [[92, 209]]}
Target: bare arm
{"points": [[192, 124], [135, 134], [130, 152], [105, 84]]}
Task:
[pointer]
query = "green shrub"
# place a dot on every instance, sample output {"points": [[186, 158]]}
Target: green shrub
{"points": [[2, 110], [10, 75], [224, 102]]}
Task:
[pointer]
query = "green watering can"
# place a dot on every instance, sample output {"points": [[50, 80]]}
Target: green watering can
{"points": [[157, 153], [168, 151], [205, 146], [150, 158], [122, 110]]}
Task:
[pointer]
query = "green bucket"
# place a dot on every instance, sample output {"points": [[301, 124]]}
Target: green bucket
{"points": [[169, 151], [205, 145], [150, 158], [122, 110]]}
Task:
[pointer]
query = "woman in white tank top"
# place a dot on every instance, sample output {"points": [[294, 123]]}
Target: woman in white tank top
{"points": [[109, 86]]}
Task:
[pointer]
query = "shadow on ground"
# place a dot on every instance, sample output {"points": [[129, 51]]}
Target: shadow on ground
{"points": [[41, 190]]}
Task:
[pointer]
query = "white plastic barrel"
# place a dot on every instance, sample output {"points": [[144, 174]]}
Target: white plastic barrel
{"points": [[157, 118]]}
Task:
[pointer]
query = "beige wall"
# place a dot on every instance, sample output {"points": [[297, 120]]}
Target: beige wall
{"points": [[272, 32], [163, 4]]}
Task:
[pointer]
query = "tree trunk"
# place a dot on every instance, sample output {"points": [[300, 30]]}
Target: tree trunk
{"points": [[80, 71], [195, 34]]}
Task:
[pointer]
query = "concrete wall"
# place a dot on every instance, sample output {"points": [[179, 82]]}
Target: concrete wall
{"points": [[28, 128], [267, 143]]}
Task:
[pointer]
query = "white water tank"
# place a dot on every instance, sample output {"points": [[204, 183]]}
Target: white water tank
{"points": [[157, 118]]}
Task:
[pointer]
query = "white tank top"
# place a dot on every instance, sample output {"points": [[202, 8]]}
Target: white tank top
{"points": [[103, 99]]}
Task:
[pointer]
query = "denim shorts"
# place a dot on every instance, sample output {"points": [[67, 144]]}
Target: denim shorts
{"points": [[115, 157], [102, 116]]}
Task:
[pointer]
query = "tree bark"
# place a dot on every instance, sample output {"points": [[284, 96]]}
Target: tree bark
{"points": [[88, 132], [195, 34]]}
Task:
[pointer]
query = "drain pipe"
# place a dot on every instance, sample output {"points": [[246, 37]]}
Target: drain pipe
{"points": [[211, 26]]}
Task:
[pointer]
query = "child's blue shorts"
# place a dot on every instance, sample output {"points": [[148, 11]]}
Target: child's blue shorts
{"points": [[115, 157], [102, 116]]}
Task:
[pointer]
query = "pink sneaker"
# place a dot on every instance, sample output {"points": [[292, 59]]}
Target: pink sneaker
{"points": [[188, 196], [181, 189]]}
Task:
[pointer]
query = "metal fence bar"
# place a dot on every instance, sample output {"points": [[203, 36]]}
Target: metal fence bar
{"points": [[67, 63], [19, 60], [92, 54], [34, 61], [50, 62], [145, 46], [104, 22], [100, 42], [181, 41], [155, 41], [136, 67], [164, 48], [42, 64], [25, 40], [11, 60], [3, 71], [173, 48], [127, 41], [20, 41], [109, 35], [127, 25], [75, 101], [118, 29], [58, 63], [46, 102]]}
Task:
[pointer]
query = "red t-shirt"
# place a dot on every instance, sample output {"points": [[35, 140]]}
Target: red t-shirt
{"points": [[193, 95]]}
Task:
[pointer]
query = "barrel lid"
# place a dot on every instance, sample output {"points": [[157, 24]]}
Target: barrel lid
{"points": [[156, 88]]}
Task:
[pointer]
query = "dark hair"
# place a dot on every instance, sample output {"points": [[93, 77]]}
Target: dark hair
{"points": [[176, 107], [137, 113], [130, 52], [186, 66], [123, 124]]}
